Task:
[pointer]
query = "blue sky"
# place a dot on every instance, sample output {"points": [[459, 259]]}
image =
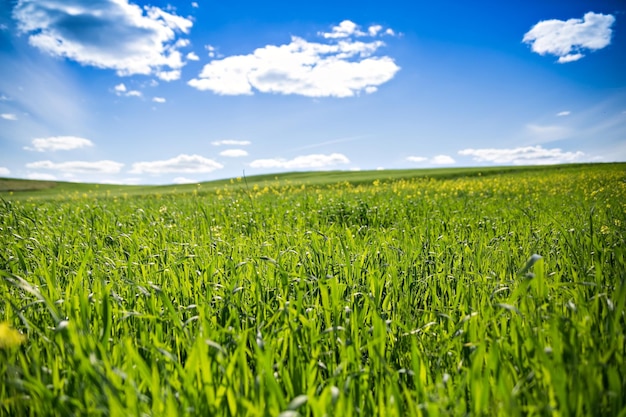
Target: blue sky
{"points": [[157, 92]]}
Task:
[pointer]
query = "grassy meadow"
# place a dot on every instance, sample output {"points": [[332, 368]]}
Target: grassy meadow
{"points": [[409, 293]]}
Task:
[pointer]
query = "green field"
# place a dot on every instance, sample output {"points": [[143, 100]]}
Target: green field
{"points": [[458, 292]]}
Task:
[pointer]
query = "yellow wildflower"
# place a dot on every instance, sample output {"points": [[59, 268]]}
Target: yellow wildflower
{"points": [[9, 337]]}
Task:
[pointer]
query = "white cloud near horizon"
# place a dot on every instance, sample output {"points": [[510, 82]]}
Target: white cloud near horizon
{"points": [[8, 116], [4, 171], [138, 40], [435, 160], [184, 164], [58, 143], [567, 39], [183, 180], [234, 153], [79, 167], [340, 67], [231, 142], [527, 155], [41, 176], [304, 161]]}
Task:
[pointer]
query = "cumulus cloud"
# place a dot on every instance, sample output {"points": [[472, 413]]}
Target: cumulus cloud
{"points": [[8, 116], [563, 113], [435, 160], [231, 142], [184, 164], [304, 161], [194, 4], [528, 155], [121, 90], [58, 143], [192, 56], [111, 34], [338, 67], [158, 99], [234, 153], [568, 39], [79, 167], [4, 171]]}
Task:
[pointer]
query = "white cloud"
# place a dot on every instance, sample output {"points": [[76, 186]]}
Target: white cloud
{"points": [[528, 155], [79, 167], [234, 153], [8, 116], [435, 160], [374, 29], [564, 113], [194, 4], [345, 29], [305, 161], [42, 176], [111, 34], [121, 90], [231, 142], [341, 68], [4, 171], [183, 180], [442, 160], [192, 56], [158, 99], [185, 164], [59, 143], [567, 39], [4, 98]]}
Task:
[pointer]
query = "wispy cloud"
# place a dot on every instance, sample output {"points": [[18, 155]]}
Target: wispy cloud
{"points": [[41, 176], [547, 133], [184, 164], [568, 39], [158, 99], [339, 67], [435, 160], [58, 143], [234, 153], [183, 180], [305, 161], [138, 40], [79, 167], [231, 142], [564, 113], [8, 116], [528, 155]]}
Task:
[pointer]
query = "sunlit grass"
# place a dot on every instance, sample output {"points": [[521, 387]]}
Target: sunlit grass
{"points": [[500, 295]]}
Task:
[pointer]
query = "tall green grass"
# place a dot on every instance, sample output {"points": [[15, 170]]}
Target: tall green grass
{"points": [[483, 295]]}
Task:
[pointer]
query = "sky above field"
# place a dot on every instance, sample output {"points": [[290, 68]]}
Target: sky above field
{"points": [[155, 92]]}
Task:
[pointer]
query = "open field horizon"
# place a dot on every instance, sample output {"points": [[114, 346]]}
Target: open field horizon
{"points": [[499, 295], [19, 188]]}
